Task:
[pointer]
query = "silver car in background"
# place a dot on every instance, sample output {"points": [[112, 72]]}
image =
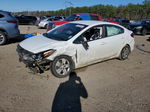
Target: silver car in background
{"points": [[8, 27], [43, 23]]}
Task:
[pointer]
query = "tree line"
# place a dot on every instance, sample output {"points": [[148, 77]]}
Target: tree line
{"points": [[130, 11]]}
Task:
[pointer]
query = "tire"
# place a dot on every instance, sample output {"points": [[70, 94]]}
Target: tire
{"points": [[124, 53], [3, 38], [144, 32], [62, 66]]}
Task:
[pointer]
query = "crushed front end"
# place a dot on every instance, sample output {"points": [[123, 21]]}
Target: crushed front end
{"points": [[37, 63]]}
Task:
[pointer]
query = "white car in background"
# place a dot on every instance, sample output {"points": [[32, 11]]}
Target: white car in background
{"points": [[43, 23], [74, 45]]}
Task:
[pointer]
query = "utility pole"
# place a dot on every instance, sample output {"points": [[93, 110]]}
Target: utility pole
{"points": [[70, 5]]}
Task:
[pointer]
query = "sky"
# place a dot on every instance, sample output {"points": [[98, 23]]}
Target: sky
{"points": [[45, 5]]}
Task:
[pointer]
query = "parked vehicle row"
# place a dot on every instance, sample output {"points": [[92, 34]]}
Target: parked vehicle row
{"points": [[50, 22], [74, 17], [8, 27]]}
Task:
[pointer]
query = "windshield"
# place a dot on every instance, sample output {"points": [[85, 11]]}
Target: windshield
{"points": [[65, 32], [71, 18]]}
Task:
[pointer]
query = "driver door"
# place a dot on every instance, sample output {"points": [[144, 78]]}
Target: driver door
{"points": [[86, 49]]}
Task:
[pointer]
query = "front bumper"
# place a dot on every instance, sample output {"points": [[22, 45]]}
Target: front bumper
{"points": [[29, 60]]}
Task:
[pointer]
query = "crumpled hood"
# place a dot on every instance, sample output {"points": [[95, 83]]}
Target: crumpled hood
{"points": [[40, 43]]}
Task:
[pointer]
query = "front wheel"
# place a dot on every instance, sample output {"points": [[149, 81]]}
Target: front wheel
{"points": [[124, 53], [62, 66]]}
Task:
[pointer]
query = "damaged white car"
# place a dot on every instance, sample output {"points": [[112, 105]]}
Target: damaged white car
{"points": [[74, 45]]}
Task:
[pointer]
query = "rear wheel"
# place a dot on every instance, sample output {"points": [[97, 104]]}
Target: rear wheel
{"points": [[62, 66], [124, 53], [3, 38]]}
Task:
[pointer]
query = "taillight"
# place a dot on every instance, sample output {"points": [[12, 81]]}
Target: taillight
{"points": [[132, 35], [12, 21]]}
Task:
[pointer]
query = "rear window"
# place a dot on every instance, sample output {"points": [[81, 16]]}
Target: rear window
{"points": [[113, 30], [1, 16], [93, 17]]}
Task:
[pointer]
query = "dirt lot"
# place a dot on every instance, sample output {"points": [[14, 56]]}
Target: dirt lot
{"points": [[110, 86]]}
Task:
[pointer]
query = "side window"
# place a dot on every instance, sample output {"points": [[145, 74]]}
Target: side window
{"points": [[1, 15], [93, 17], [91, 34], [79, 40], [113, 30]]}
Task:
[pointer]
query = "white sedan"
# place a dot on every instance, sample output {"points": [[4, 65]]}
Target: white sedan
{"points": [[44, 23], [74, 45]]}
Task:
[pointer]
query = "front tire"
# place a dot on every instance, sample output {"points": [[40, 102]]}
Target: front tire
{"points": [[124, 53], [62, 66], [3, 38]]}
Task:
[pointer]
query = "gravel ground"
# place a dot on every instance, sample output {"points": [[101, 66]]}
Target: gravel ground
{"points": [[109, 86]]}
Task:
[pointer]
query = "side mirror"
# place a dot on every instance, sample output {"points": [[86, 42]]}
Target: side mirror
{"points": [[85, 44]]}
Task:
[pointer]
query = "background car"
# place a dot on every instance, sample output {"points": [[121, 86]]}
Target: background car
{"points": [[8, 27], [140, 27], [43, 23], [26, 20], [75, 17], [74, 45], [122, 21]]}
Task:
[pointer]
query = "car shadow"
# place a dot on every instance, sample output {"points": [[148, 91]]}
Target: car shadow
{"points": [[67, 97], [148, 39]]}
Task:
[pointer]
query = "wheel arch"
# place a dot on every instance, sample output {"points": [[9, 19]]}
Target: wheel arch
{"points": [[2, 30], [71, 58], [128, 46], [122, 48]]}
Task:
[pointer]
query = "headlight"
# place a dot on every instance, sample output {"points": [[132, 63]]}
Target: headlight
{"points": [[139, 27], [42, 55], [48, 53]]}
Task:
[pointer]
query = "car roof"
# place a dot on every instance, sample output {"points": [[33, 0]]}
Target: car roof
{"points": [[91, 22]]}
